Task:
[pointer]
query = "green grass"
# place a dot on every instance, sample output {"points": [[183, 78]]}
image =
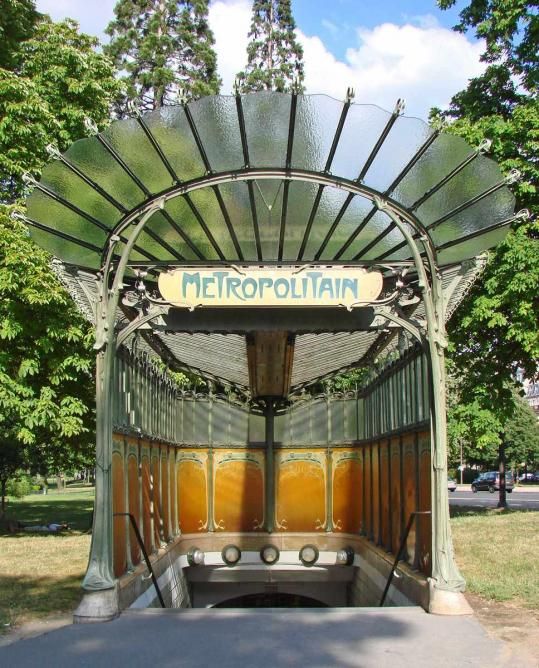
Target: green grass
{"points": [[40, 574], [498, 553]]}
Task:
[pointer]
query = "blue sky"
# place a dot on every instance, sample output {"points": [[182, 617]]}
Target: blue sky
{"points": [[335, 20], [385, 49]]}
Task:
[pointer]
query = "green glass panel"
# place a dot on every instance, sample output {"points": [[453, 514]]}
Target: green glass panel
{"points": [[301, 197], [475, 178], [391, 240], [266, 117], [495, 208], [216, 120], [355, 213], [97, 163], [62, 181], [67, 251], [472, 247], [236, 198], [317, 117], [181, 213], [206, 202], [171, 130], [363, 127], [47, 211], [153, 247], [399, 147], [371, 230], [132, 144], [442, 156], [269, 202], [165, 231], [330, 204]]}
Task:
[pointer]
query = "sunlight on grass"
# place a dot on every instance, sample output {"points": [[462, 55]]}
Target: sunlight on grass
{"points": [[40, 574], [498, 554]]}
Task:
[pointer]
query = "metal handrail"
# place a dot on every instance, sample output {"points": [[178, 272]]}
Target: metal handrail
{"points": [[145, 554], [401, 549]]}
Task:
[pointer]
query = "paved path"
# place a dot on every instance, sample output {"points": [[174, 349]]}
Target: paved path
{"points": [[519, 499], [266, 638]]}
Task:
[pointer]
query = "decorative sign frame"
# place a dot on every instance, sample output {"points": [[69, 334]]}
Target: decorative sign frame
{"points": [[271, 287]]}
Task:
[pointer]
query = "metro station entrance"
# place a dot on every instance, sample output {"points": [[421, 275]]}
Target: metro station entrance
{"points": [[265, 243]]}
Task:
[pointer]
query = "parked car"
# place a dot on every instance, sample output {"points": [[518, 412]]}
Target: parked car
{"points": [[529, 478], [451, 485], [490, 481]]}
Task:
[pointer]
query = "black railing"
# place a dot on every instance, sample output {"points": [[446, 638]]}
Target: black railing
{"points": [[401, 550], [145, 554]]}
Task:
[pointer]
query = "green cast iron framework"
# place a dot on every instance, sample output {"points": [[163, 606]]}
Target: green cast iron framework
{"points": [[100, 574], [123, 236]]}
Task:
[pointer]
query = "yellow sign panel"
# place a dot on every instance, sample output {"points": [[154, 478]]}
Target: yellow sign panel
{"points": [[280, 286]]}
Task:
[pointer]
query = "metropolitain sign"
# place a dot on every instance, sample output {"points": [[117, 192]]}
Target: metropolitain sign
{"points": [[263, 286]]}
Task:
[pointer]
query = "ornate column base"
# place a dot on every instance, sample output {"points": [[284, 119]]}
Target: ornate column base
{"points": [[443, 602], [98, 606]]}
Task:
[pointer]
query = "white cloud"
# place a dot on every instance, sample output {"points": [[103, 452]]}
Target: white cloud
{"points": [[421, 62], [230, 22], [93, 17]]}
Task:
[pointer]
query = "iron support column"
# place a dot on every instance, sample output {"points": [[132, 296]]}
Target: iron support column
{"points": [[270, 471], [445, 573], [100, 576]]}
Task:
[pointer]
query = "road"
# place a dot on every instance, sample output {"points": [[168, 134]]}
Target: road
{"points": [[519, 499]]}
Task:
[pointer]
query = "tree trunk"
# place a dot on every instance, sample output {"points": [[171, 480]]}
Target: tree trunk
{"points": [[502, 501], [3, 484]]}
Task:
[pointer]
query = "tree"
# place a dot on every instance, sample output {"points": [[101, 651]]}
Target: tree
{"points": [[46, 361], [495, 331], [274, 56], [17, 21], [165, 47], [522, 436], [61, 80]]}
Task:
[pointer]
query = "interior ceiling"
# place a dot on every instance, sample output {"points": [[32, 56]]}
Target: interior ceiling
{"points": [[269, 178], [224, 357]]}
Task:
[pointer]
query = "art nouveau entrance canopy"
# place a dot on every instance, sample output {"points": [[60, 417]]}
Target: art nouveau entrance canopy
{"points": [[304, 197], [268, 179]]}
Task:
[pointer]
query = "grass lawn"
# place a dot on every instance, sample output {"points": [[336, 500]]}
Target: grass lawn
{"points": [[498, 553], [40, 574]]}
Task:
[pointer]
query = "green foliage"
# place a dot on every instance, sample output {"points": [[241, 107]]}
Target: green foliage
{"points": [[17, 20], [495, 332], [165, 47], [522, 436], [274, 56], [46, 362], [510, 29], [19, 486], [61, 80]]}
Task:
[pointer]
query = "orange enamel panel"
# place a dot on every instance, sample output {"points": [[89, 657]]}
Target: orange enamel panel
{"points": [[172, 488], [385, 509], [368, 491], [396, 503], [375, 492], [134, 506], [300, 492], [347, 492], [425, 522], [192, 493], [239, 492], [165, 493], [409, 491], [119, 523], [156, 502], [146, 504]]}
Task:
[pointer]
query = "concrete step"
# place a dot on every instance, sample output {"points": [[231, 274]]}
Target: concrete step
{"points": [[265, 638]]}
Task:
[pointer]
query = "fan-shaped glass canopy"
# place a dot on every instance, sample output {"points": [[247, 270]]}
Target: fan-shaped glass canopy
{"points": [[270, 177]]}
